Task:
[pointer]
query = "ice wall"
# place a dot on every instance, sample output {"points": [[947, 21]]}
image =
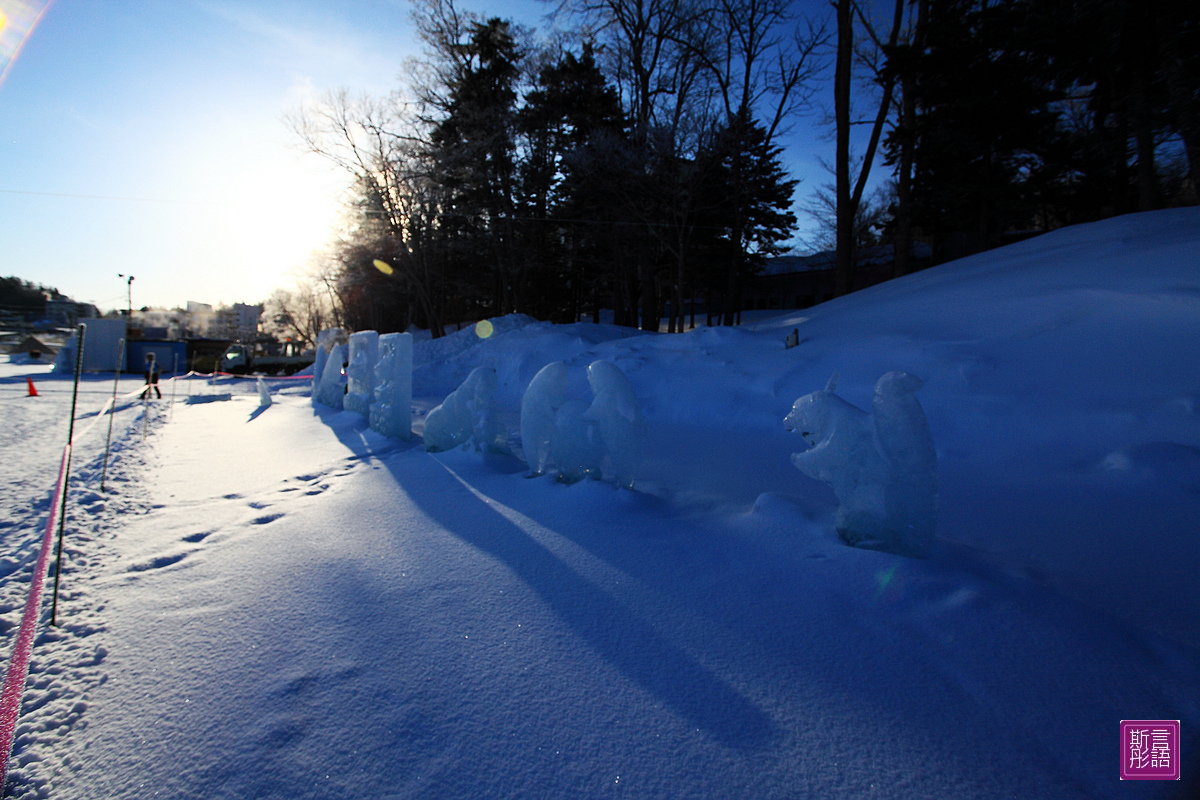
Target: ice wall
{"points": [[391, 413], [882, 466], [360, 372]]}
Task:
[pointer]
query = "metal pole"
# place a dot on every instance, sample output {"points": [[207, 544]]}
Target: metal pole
{"points": [[66, 477], [112, 410], [174, 380]]}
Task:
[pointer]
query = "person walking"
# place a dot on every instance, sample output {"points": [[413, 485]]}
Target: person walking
{"points": [[151, 377]]}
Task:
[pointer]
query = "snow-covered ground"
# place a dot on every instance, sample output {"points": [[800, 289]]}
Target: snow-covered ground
{"points": [[279, 603]]}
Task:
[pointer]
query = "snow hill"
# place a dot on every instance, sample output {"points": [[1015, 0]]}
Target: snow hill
{"points": [[277, 602]]}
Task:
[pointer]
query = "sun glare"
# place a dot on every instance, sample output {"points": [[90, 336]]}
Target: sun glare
{"points": [[24, 18], [275, 215]]}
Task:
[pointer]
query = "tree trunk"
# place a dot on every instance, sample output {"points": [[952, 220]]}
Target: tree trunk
{"points": [[1147, 174], [731, 288], [1188, 116], [843, 277]]}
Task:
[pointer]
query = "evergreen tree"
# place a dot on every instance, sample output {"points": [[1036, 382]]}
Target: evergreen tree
{"points": [[755, 197], [982, 122], [571, 105], [474, 150]]}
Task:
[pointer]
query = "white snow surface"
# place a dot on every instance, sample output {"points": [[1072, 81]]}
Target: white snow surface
{"points": [[278, 602]]}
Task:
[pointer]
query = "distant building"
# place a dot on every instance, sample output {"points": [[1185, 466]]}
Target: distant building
{"points": [[35, 348], [803, 281], [66, 313], [199, 320], [239, 322]]}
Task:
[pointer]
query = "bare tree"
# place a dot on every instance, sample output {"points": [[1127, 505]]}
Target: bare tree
{"points": [[375, 142], [848, 200], [763, 61], [761, 57]]}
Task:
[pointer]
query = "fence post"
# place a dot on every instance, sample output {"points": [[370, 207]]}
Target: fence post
{"points": [[112, 410], [62, 512]]}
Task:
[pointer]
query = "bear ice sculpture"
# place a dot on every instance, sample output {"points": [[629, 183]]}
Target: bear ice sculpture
{"points": [[578, 436], [539, 408], [617, 415], [881, 466], [467, 414]]}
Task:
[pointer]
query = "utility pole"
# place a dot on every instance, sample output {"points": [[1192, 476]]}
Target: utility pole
{"points": [[128, 297]]}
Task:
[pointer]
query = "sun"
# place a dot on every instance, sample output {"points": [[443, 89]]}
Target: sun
{"points": [[274, 215]]}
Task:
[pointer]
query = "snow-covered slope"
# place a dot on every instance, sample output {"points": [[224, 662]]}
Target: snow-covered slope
{"points": [[277, 603]]}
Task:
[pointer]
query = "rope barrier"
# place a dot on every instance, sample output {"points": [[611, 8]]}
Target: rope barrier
{"points": [[18, 668]]}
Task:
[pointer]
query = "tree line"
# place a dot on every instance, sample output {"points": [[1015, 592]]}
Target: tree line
{"points": [[25, 300], [635, 164]]}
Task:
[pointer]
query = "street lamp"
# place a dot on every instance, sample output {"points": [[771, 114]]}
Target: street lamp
{"points": [[128, 297]]}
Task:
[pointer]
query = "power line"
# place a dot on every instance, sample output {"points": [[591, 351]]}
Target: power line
{"points": [[114, 197]]}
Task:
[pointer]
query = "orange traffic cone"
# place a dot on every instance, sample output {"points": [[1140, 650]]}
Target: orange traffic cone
{"points": [[32, 389]]}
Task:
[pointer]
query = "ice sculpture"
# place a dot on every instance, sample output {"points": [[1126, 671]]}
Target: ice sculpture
{"points": [[391, 413], [576, 447], [318, 367], [264, 394], [326, 339], [617, 415], [330, 391], [467, 414], [881, 466], [64, 360], [539, 409], [360, 372]]}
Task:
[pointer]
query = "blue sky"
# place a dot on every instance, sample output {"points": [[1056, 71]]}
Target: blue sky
{"points": [[146, 137]]}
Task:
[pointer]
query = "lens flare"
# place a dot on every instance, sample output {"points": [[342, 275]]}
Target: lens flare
{"points": [[18, 18], [885, 577], [484, 329], [383, 267]]}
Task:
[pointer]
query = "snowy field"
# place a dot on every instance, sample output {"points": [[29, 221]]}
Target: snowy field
{"points": [[273, 602]]}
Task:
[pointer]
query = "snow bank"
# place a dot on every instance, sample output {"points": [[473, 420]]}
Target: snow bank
{"points": [[409, 624]]}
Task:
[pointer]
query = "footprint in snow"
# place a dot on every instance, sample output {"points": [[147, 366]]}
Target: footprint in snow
{"points": [[158, 563], [263, 520]]}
